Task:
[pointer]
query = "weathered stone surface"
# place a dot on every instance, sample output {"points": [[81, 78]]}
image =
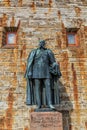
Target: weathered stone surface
{"points": [[42, 19], [46, 121]]}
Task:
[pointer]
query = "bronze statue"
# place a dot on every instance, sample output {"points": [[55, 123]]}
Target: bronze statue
{"points": [[42, 73]]}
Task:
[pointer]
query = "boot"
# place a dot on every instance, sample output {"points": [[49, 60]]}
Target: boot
{"points": [[51, 106]]}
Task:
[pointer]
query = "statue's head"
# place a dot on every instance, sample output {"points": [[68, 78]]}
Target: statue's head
{"points": [[42, 43]]}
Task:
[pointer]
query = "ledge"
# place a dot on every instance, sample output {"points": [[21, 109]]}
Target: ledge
{"points": [[9, 47]]}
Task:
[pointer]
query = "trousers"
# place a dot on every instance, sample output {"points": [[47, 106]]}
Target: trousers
{"points": [[39, 83]]}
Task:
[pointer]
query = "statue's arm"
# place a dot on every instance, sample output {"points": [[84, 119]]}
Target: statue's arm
{"points": [[55, 68], [29, 66], [51, 57]]}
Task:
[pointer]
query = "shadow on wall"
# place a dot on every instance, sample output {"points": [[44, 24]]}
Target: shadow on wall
{"points": [[65, 106]]}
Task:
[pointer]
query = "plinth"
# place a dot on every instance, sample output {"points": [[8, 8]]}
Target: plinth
{"points": [[46, 121]]}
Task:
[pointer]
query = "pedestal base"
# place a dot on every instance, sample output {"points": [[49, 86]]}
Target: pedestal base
{"points": [[46, 121]]}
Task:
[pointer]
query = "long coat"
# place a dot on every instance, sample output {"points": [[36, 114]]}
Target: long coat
{"points": [[51, 71]]}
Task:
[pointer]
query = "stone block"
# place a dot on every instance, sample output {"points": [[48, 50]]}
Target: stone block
{"points": [[46, 121]]}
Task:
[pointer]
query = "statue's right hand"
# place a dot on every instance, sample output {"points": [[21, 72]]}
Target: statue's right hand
{"points": [[29, 75]]}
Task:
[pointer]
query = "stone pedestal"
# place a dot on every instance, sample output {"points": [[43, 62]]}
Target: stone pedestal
{"points": [[46, 121]]}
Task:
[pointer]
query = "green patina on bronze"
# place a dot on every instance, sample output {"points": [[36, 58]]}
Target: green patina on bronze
{"points": [[42, 74]]}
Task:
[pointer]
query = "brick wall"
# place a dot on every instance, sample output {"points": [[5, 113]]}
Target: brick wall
{"points": [[41, 20]]}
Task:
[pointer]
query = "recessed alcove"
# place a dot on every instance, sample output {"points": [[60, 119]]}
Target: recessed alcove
{"points": [[9, 37], [72, 36]]}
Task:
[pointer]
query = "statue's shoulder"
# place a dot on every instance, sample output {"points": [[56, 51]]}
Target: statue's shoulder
{"points": [[32, 53], [49, 51]]}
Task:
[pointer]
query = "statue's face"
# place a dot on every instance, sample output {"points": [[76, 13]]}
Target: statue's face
{"points": [[42, 44]]}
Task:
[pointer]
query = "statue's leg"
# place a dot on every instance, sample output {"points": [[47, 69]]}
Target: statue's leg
{"points": [[48, 91], [44, 96], [37, 91]]}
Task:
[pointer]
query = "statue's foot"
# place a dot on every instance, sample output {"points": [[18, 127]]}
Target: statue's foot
{"points": [[51, 106]]}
